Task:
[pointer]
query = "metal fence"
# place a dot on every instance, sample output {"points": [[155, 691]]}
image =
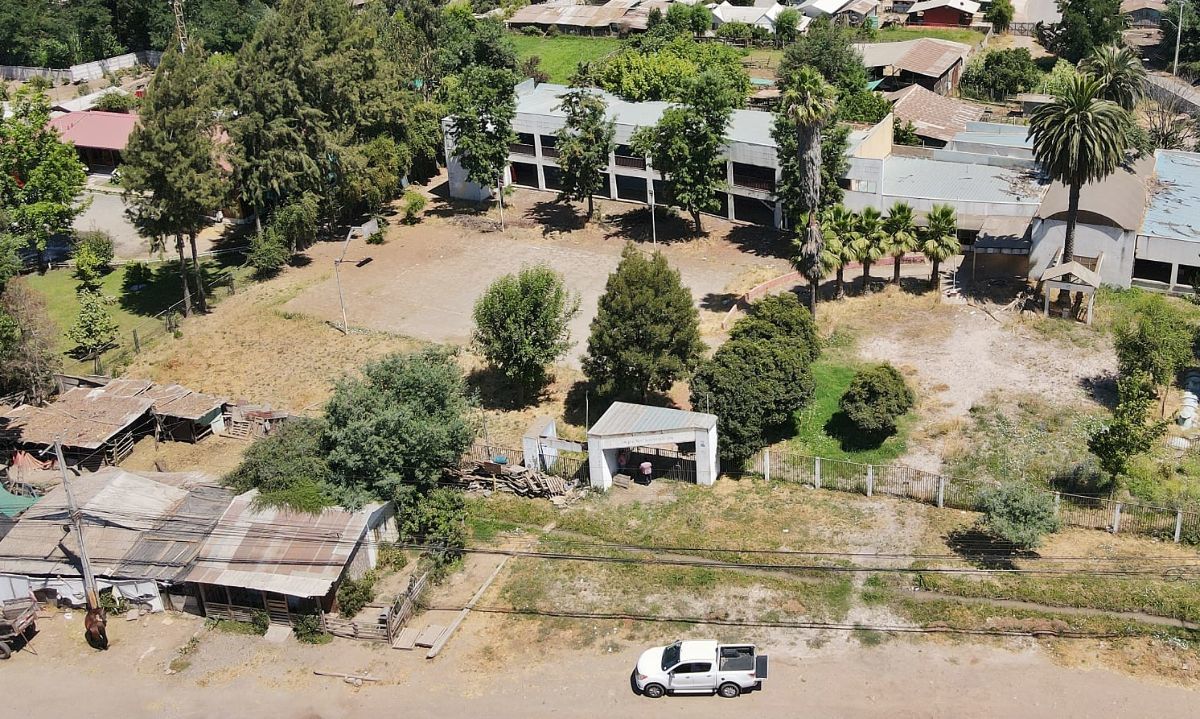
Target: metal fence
{"points": [[939, 490], [83, 71]]}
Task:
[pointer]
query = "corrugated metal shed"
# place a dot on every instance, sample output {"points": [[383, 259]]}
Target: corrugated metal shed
{"points": [[276, 550], [170, 400], [82, 417], [137, 526], [627, 418], [1174, 207], [924, 56]]}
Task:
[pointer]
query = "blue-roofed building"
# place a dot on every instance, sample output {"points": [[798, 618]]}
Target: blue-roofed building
{"points": [[1168, 241]]}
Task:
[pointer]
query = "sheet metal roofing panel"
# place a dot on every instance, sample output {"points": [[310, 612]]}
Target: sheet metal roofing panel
{"points": [[628, 418], [81, 417], [965, 5], [1120, 197], [95, 129], [1175, 203], [919, 177], [933, 115], [1000, 140], [924, 56], [277, 550]]}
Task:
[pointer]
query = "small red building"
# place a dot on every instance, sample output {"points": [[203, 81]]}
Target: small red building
{"points": [[943, 13], [99, 137]]}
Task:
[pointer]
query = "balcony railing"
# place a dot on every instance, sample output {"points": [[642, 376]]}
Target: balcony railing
{"points": [[638, 163], [551, 152], [519, 148], [754, 183]]}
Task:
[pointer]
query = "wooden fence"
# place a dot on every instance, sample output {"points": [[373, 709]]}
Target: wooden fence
{"points": [[390, 618], [941, 491]]}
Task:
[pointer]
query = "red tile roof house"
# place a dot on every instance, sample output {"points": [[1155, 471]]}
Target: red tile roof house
{"points": [[99, 137]]}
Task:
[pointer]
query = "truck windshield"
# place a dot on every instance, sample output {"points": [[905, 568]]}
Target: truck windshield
{"points": [[670, 656]]}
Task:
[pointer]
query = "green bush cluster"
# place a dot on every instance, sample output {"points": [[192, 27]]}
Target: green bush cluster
{"points": [[1018, 513], [876, 398], [354, 594]]}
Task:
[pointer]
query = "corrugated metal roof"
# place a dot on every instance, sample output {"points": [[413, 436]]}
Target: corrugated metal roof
{"points": [[136, 525], [1119, 198], [171, 400], [926, 56], [82, 417], [627, 418], [933, 115], [968, 6], [95, 129], [1174, 211], [922, 178], [276, 550]]}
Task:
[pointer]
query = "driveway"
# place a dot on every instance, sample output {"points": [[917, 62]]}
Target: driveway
{"points": [[1036, 11], [107, 213]]}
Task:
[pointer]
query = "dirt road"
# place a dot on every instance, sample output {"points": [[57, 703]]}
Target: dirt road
{"points": [[898, 679]]}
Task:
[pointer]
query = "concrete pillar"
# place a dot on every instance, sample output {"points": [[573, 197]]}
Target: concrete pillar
{"points": [[817, 473], [1178, 525], [767, 464], [707, 464], [1174, 275], [729, 195], [870, 479], [1057, 503], [1116, 523], [600, 464], [537, 151]]}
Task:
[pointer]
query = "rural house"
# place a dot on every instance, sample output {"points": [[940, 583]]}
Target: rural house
{"points": [[943, 13], [934, 64]]}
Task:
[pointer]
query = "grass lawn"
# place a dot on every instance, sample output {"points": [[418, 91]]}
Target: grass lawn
{"points": [[131, 308], [896, 34], [819, 431], [561, 54]]}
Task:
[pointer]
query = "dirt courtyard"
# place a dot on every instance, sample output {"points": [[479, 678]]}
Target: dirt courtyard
{"points": [[423, 283]]}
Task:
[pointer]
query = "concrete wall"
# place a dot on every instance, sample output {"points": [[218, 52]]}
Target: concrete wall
{"points": [[1090, 240], [878, 143], [1174, 252]]}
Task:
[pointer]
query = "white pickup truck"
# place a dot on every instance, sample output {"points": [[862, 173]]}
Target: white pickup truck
{"points": [[699, 667]]}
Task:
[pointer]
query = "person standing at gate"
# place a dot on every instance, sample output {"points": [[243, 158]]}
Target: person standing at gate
{"points": [[647, 473]]}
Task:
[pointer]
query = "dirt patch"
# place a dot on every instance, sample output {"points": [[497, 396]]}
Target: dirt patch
{"points": [[214, 454]]}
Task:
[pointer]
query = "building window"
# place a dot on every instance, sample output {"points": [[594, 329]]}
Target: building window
{"points": [[1188, 276], [1152, 270], [626, 157], [523, 145], [748, 209], [549, 146], [631, 188], [553, 177], [525, 174], [754, 177]]}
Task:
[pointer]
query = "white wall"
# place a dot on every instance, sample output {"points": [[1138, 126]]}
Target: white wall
{"points": [[1090, 240]]}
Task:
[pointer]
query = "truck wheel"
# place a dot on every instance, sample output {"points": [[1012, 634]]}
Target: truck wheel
{"points": [[654, 691], [729, 690], [5, 651]]}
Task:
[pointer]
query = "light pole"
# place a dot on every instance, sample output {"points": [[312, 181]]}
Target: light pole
{"points": [[1178, 38], [365, 230]]}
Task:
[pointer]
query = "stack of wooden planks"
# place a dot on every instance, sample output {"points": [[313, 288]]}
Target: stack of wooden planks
{"points": [[516, 480]]}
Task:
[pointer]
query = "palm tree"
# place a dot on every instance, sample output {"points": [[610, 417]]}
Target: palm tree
{"points": [[1120, 72], [1079, 137], [813, 260], [840, 228], [939, 241], [869, 244], [807, 103], [902, 237]]}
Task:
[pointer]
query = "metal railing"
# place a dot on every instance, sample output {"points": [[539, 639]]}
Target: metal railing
{"points": [[753, 183], [638, 163], [520, 148]]}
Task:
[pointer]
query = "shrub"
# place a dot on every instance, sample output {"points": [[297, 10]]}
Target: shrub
{"points": [[268, 252], [287, 468], [93, 258], [876, 398], [437, 518], [354, 594], [412, 205], [376, 238], [1001, 73], [260, 620], [116, 102], [1018, 513], [296, 222], [780, 317], [307, 628]]}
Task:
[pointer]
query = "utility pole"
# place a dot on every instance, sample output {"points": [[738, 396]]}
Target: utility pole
{"points": [[366, 230], [180, 28], [500, 196], [1178, 38], [89, 580]]}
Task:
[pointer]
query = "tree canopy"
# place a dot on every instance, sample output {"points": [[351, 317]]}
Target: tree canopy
{"points": [[482, 107], [646, 332], [661, 68], [583, 144], [876, 399], [1085, 26]]}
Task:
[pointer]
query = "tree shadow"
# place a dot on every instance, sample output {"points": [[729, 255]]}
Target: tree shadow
{"points": [[583, 405], [915, 285], [850, 437], [495, 391], [634, 225], [1102, 388], [149, 290], [718, 301], [997, 290], [556, 216], [762, 241], [985, 551]]}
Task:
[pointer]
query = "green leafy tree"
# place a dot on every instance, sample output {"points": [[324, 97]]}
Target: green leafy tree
{"points": [[902, 237], [864, 106], [687, 144], [482, 108], [1085, 26], [807, 104], [28, 355], [787, 26], [1059, 78], [1189, 37], [170, 174], [1158, 342], [40, 176], [939, 239], [1120, 72], [1130, 432], [1000, 15], [1019, 514], [646, 332], [1079, 137], [584, 144], [116, 102], [827, 48], [870, 243], [876, 399], [904, 133], [93, 257], [780, 317], [1001, 73], [94, 330], [287, 468], [700, 20], [522, 324], [405, 420], [437, 519], [664, 67], [268, 252]]}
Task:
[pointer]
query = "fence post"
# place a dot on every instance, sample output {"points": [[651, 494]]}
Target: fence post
{"points": [[1057, 501], [1178, 525], [137, 344], [870, 479], [1116, 523], [767, 464], [817, 473], [941, 491]]}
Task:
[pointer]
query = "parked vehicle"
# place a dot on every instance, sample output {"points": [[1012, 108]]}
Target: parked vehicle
{"points": [[18, 621], [700, 667]]}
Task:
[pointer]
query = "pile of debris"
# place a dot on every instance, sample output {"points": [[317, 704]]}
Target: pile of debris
{"points": [[475, 475]]}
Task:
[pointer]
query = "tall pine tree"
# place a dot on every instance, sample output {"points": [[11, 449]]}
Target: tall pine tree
{"points": [[171, 176], [646, 332]]}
